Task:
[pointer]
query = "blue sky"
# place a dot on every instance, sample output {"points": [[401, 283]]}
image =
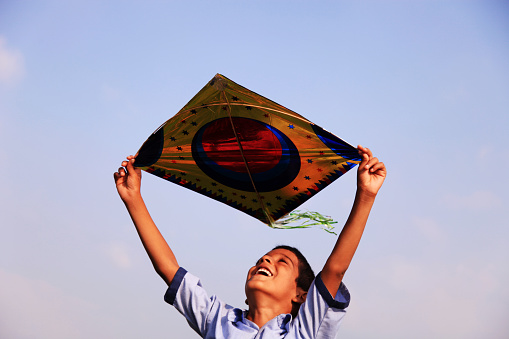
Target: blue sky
{"points": [[423, 83]]}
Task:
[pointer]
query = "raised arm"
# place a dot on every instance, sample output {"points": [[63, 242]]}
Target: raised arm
{"points": [[128, 181], [370, 177]]}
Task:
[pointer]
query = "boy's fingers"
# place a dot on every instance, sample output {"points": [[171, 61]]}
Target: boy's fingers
{"points": [[378, 167], [366, 155], [360, 149], [368, 151], [129, 164], [119, 174], [129, 167], [364, 150], [364, 160], [371, 163]]}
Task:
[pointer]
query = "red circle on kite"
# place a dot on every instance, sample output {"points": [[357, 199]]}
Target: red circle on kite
{"points": [[272, 157], [261, 149]]}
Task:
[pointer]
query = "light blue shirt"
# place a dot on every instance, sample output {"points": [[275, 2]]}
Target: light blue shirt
{"points": [[319, 316]]}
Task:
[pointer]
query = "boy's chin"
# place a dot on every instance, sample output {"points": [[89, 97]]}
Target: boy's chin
{"points": [[256, 292], [255, 285]]}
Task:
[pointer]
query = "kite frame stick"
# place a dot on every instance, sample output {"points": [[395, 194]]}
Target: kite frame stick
{"points": [[269, 218], [297, 116]]}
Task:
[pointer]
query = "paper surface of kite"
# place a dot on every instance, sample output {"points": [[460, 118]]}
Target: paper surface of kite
{"points": [[235, 146]]}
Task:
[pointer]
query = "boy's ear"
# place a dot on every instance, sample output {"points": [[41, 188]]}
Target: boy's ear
{"points": [[301, 296]]}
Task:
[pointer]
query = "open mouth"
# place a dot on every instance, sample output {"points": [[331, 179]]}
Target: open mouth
{"points": [[264, 271]]}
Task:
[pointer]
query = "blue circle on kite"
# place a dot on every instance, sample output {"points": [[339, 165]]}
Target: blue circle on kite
{"points": [[151, 149], [338, 146], [272, 158]]}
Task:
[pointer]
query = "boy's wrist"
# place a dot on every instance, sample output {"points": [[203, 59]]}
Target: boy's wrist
{"points": [[365, 195], [132, 198]]}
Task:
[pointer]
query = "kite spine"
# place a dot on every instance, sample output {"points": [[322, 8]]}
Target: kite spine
{"points": [[270, 220]]}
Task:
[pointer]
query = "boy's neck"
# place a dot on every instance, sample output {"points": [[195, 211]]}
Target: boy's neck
{"points": [[261, 314]]}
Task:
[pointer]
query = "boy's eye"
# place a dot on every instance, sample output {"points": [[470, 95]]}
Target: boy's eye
{"points": [[282, 260]]}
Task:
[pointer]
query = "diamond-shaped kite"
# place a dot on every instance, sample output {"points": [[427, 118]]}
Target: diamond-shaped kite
{"points": [[242, 149]]}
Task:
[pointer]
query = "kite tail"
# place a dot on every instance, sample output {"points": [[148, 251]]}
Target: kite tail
{"points": [[310, 219]]}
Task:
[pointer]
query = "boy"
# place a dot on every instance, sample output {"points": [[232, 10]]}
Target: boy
{"points": [[282, 301]]}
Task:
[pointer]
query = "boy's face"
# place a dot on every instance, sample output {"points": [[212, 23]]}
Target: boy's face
{"points": [[274, 275]]}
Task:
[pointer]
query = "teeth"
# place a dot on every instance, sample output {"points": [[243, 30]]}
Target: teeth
{"points": [[264, 271]]}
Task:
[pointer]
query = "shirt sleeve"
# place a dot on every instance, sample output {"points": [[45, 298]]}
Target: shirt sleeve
{"points": [[320, 315], [189, 297]]}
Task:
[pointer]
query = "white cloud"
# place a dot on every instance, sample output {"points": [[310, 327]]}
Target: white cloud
{"points": [[12, 67], [477, 201], [35, 309], [430, 230], [111, 93], [485, 153], [119, 255]]}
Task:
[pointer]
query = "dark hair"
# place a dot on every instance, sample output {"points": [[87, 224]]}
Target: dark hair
{"points": [[306, 274]]}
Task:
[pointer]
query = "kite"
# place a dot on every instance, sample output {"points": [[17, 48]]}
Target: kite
{"points": [[244, 150]]}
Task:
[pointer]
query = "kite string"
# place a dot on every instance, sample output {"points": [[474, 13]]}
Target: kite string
{"points": [[269, 218]]}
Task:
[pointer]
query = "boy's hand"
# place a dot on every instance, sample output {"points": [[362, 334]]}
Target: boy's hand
{"points": [[371, 173], [128, 182]]}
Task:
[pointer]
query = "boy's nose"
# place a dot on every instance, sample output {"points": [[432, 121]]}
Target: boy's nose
{"points": [[267, 259]]}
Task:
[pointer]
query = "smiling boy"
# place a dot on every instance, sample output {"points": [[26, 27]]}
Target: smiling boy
{"points": [[285, 300]]}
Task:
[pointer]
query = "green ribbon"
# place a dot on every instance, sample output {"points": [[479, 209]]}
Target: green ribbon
{"points": [[308, 219]]}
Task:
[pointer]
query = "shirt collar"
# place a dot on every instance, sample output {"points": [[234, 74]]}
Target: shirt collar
{"points": [[236, 315], [282, 321]]}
